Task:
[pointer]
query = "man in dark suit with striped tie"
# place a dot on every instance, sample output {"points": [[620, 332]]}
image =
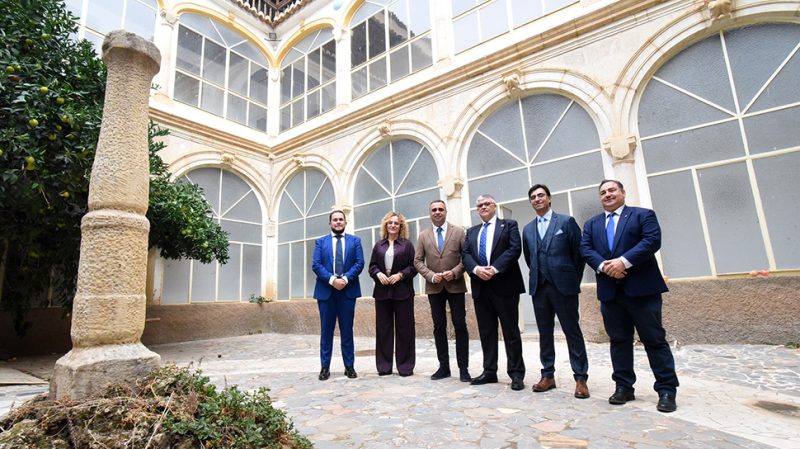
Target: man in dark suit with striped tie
{"points": [[491, 257]]}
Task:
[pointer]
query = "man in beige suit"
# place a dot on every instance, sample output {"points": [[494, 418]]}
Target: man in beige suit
{"points": [[438, 260]]}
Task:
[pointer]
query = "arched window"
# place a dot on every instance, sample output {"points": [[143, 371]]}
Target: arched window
{"points": [[476, 21], [308, 79], [390, 39], [720, 139], [540, 139], [302, 218], [236, 208], [221, 72], [99, 17], [401, 176]]}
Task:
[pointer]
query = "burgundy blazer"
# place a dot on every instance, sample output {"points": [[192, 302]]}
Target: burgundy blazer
{"points": [[403, 263]]}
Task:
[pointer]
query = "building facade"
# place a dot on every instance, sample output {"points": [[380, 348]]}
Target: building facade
{"points": [[378, 105]]}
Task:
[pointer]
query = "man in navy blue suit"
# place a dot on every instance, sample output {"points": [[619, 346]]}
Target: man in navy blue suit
{"points": [[551, 244], [338, 260], [491, 257], [620, 245]]}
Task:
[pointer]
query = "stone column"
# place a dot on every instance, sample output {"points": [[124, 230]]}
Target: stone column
{"points": [[108, 313]]}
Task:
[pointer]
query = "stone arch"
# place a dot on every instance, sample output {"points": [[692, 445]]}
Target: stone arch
{"points": [[301, 33], [297, 164]]}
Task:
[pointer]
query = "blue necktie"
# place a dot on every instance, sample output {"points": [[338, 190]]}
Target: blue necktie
{"points": [[542, 227], [482, 246], [610, 231], [338, 258], [439, 239]]}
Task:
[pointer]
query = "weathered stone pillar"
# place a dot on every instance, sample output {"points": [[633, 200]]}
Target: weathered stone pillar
{"points": [[108, 313]]}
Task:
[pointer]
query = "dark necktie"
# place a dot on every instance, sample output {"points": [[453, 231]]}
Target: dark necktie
{"points": [[338, 258], [482, 246], [439, 239], [610, 231]]}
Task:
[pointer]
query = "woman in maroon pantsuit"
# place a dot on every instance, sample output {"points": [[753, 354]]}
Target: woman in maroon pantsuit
{"points": [[392, 268]]}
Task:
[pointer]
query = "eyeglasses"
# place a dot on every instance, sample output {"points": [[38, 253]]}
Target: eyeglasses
{"points": [[484, 204]]}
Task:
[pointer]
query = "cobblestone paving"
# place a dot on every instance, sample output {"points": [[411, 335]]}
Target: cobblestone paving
{"points": [[737, 396]]}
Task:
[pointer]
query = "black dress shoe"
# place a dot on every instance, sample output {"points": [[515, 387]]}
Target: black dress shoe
{"points": [[464, 376], [324, 374], [410, 373], [384, 373], [666, 403], [350, 372], [517, 384], [621, 395], [485, 378], [441, 373]]}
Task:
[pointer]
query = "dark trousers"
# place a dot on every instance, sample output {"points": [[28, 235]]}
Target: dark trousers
{"points": [[395, 332], [342, 309], [548, 303], [489, 309], [458, 315], [643, 313]]}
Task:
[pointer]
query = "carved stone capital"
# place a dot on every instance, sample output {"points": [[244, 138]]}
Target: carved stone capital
{"points": [[620, 147], [512, 81], [451, 186], [227, 159], [719, 9], [271, 228], [168, 18], [300, 161], [339, 33], [274, 74]]}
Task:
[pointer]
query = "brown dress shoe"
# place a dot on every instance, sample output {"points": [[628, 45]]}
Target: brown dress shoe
{"points": [[544, 384], [581, 390]]}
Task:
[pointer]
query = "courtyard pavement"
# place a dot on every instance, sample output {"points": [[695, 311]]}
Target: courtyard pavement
{"points": [[731, 396]]}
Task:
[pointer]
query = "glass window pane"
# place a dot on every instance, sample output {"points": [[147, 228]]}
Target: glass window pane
{"points": [[257, 117], [540, 114], [570, 173], [229, 274], [242, 232], [575, 133], [420, 17], [298, 269], [251, 271], [460, 6], [732, 221], [237, 109], [313, 104], [683, 243], [358, 45], [249, 50], [283, 271], [214, 62], [74, 6], [328, 97], [398, 23], [328, 61], [783, 88], [399, 63], [773, 131], [246, 208], [659, 103], [371, 215], [204, 281], [233, 190], [379, 164], [318, 226], [298, 79], [494, 20], [523, 11], [140, 19], [313, 69], [187, 89], [377, 34], [415, 205], [298, 112], [421, 53], [259, 80], [779, 187], [190, 46], [208, 179], [367, 189], [553, 5], [212, 99], [377, 74], [291, 231], [486, 157], [286, 117], [702, 145], [238, 74], [286, 84], [104, 16], [464, 32], [504, 126], [175, 289], [504, 187], [359, 82]]}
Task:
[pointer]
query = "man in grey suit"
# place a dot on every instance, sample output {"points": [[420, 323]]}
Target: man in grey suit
{"points": [[438, 260], [551, 244]]}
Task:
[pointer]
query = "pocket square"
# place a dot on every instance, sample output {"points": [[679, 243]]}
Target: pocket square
{"points": [[560, 231]]}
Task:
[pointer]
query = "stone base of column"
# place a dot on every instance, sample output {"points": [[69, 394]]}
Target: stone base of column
{"points": [[86, 372]]}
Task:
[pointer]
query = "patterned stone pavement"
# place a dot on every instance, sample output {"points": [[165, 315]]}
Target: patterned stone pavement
{"points": [[731, 396]]}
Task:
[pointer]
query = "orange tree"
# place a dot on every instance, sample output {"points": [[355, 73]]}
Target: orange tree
{"points": [[51, 102]]}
